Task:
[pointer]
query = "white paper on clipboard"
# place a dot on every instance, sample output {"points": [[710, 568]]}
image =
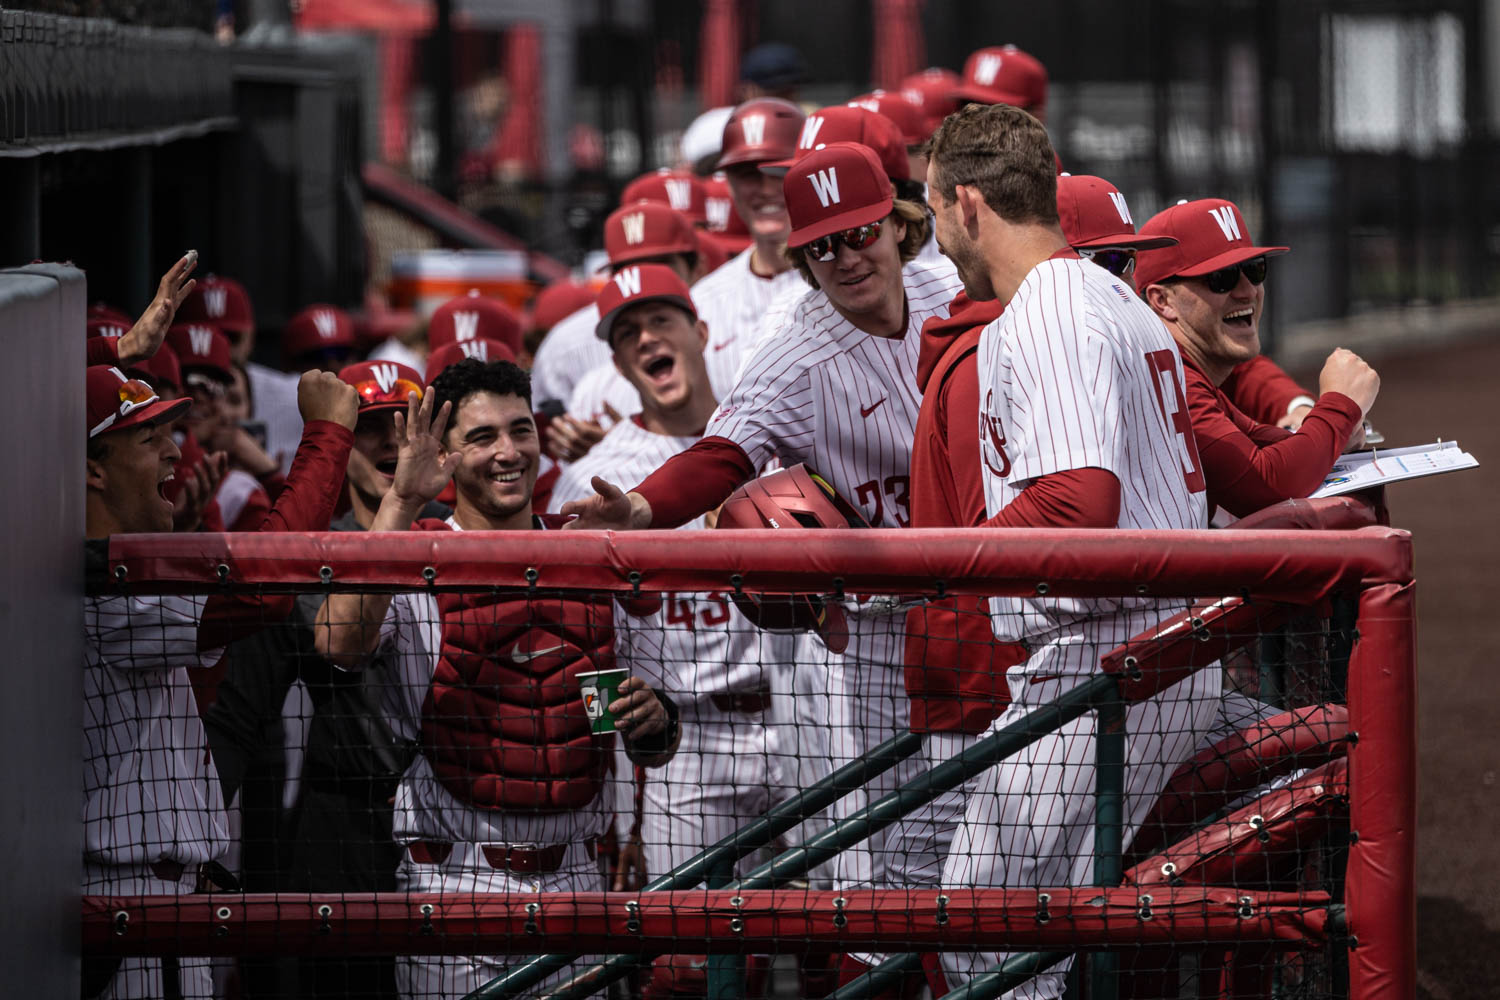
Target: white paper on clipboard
{"points": [[1362, 469]]}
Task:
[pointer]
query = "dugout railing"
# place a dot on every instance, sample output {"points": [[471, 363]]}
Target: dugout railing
{"points": [[1240, 583]]}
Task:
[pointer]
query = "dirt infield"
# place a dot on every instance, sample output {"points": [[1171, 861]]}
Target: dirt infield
{"points": [[1451, 394]]}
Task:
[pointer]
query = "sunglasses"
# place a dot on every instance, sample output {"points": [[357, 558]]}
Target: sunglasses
{"points": [[825, 248], [1119, 261], [134, 394], [372, 392], [1225, 278]]}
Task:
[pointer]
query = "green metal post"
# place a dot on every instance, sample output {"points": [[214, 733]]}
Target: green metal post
{"points": [[726, 973], [1005, 977], [885, 976], [1109, 833]]}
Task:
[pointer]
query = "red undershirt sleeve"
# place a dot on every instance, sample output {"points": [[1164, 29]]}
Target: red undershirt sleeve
{"points": [[695, 481], [102, 351], [1075, 498]]}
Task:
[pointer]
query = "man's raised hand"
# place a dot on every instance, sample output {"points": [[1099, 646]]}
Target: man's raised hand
{"points": [[145, 338], [423, 467]]}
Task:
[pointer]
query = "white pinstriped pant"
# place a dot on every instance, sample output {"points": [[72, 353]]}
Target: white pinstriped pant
{"points": [[141, 978]]}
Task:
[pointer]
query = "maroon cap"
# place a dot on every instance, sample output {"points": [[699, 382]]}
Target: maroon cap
{"points": [[479, 350], [317, 328], [115, 402], [1003, 74], [474, 317], [201, 348], [647, 229], [1093, 213], [844, 123], [639, 283], [905, 114], [760, 130], [107, 328], [104, 311], [161, 369], [840, 186], [382, 385], [678, 188], [1210, 234], [724, 223], [558, 301], [220, 301], [932, 91]]}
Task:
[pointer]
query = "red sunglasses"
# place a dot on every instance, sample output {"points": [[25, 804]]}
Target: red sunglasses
{"points": [[825, 248]]}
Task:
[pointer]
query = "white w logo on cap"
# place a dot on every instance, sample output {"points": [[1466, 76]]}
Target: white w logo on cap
{"points": [[634, 225], [679, 193], [215, 300], [477, 349], [1228, 224], [717, 210], [385, 376], [1119, 202], [754, 127], [465, 325], [986, 69], [826, 186], [810, 130], [867, 104], [326, 322], [201, 338], [628, 282]]}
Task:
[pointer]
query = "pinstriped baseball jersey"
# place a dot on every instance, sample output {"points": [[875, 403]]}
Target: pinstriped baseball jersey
{"points": [[1079, 373], [733, 301], [704, 646], [150, 791], [569, 350], [823, 392], [602, 385]]}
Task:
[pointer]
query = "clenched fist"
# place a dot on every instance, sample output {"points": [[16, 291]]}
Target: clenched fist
{"points": [[1347, 372], [325, 396]]}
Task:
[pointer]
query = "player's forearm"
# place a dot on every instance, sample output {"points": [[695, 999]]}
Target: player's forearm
{"points": [[1244, 478], [312, 487], [347, 628], [1075, 498], [692, 482]]}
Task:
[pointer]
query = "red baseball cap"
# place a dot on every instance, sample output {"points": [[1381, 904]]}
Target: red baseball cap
{"points": [[317, 328], [932, 91], [1003, 74], [760, 130], [1210, 234], [479, 350], [846, 123], [639, 283], [115, 402], [678, 188], [474, 317], [382, 385], [107, 328], [160, 369], [220, 301], [1094, 213], [724, 224], [647, 229], [901, 110], [201, 348], [840, 186], [558, 301]]}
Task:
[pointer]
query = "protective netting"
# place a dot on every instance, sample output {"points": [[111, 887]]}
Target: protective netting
{"points": [[370, 767]]}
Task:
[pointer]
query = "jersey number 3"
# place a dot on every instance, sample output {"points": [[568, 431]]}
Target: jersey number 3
{"points": [[1164, 371]]}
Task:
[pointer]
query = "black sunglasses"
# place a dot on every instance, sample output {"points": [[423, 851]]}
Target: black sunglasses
{"points": [[1119, 261], [1225, 278]]}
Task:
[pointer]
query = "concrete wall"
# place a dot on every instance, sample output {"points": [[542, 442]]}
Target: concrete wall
{"points": [[41, 628]]}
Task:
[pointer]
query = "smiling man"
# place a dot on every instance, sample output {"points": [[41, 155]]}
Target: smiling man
{"points": [[1209, 290]]}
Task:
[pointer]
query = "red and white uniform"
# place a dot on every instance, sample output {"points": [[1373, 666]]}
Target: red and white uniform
{"points": [[150, 791], [568, 351], [604, 386], [1077, 374], [733, 301], [712, 663]]}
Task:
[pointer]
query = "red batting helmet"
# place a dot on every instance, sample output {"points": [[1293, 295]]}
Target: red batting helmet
{"points": [[760, 130], [792, 498]]}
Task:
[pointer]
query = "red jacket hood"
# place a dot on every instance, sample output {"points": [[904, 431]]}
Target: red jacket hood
{"points": [[939, 333]]}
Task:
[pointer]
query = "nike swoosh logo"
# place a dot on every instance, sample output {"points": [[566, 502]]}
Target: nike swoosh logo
{"points": [[516, 656], [865, 411]]}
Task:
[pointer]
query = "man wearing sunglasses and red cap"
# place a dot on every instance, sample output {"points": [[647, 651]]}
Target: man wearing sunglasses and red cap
{"points": [[1209, 290], [835, 388]]}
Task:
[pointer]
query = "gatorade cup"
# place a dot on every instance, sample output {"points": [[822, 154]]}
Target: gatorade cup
{"points": [[599, 689]]}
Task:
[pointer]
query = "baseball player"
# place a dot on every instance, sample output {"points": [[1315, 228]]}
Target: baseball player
{"points": [[1082, 421], [551, 306], [515, 804], [714, 663], [1003, 74], [834, 389], [153, 812], [1209, 290], [724, 224], [122, 343]]}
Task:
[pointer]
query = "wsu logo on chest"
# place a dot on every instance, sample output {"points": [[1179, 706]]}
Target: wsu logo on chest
{"points": [[992, 439]]}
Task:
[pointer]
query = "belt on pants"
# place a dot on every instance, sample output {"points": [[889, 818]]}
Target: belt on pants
{"points": [[514, 858], [744, 702]]}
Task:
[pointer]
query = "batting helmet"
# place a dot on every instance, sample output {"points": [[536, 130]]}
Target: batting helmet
{"points": [[792, 498], [760, 130]]}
